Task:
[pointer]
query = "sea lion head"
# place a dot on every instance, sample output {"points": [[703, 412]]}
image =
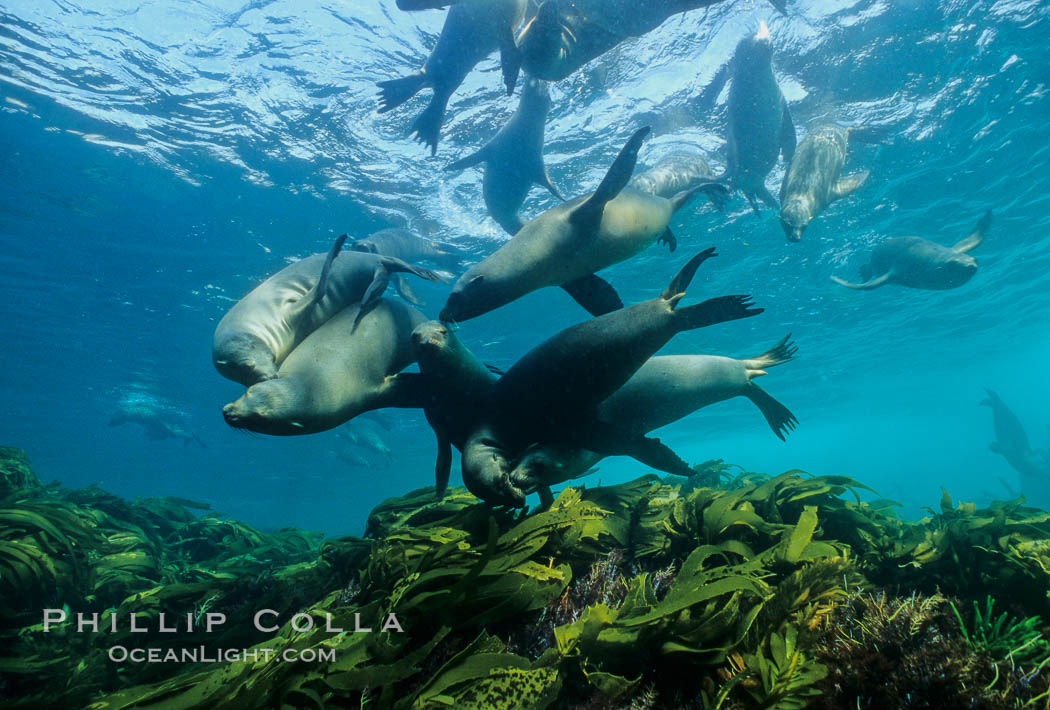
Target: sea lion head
{"points": [[755, 51], [546, 42], [471, 296], [244, 358], [265, 408], [536, 95], [486, 472], [795, 216], [956, 269], [432, 342]]}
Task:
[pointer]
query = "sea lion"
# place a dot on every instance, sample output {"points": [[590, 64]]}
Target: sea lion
{"points": [[551, 395], [256, 335], [566, 34], [155, 425], [472, 30], [404, 245], [336, 373], [919, 263], [677, 171], [663, 390], [456, 384], [1011, 442], [514, 158], [812, 180], [565, 245], [759, 123]]}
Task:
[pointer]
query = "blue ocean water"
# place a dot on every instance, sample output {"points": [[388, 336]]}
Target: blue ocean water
{"points": [[162, 158]]}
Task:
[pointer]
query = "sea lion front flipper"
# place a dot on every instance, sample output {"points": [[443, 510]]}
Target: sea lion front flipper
{"points": [[442, 467], [788, 139], [588, 215], [405, 390], [867, 285], [312, 297], [669, 239], [380, 280], [975, 237], [509, 58], [779, 417], [594, 293], [544, 180], [470, 161], [611, 440], [766, 196], [845, 186], [405, 291]]}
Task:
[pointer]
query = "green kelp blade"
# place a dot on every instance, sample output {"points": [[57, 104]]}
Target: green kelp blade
{"points": [[795, 540]]}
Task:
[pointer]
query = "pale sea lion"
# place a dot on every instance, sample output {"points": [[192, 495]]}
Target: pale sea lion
{"points": [[404, 245], [335, 374], [759, 123], [919, 263], [677, 171], [256, 335], [812, 180], [551, 395], [565, 245], [566, 34], [664, 390], [472, 30], [514, 158]]}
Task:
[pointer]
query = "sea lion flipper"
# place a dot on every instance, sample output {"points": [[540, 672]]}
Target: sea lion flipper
{"points": [[405, 390], [544, 180], [594, 293], [867, 285], [405, 291], [788, 139], [509, 58], [394, 265], [380, 280], [766, 196], [587, 215], [876, 135], [611, 440], [779, 417], [669, 239], [442, 467], [312, 297], [974, 238], [546, 497], [427, 126], [845, 186], [714, 311], [395, 92], [470, 161], [714, 189]]}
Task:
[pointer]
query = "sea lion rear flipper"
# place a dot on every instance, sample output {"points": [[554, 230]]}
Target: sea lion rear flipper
{"points": [[494, 370], [766, 196], [845, 186], [442, 467], [669, 239], [779, 417], [394, 265], [588, 215], [395, 92], [751, 200], [380, 280], [312, 297], [594, 293], [715, 191], [544, 180], [711, 311], [471, 160], [788, 138], [867, 285], [975, 237], [783, 351], [611, 440], [427, 126], [509, 58], [405, 291]]}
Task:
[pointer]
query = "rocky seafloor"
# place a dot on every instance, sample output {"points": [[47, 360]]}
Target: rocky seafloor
{"points": [[727, 590]]}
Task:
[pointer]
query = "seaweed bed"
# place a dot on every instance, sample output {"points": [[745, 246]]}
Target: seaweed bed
{"points": [[727, 590]]}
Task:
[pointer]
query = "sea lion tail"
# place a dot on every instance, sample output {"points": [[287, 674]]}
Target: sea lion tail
{"points": [[395, 92], [779, 417], [783, 351]]}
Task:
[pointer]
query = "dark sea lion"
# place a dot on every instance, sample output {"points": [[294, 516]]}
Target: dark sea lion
{"points": [[457, 384], [472, 30], [675, 172], [338, 372], [759, 124], [919, 263], [664, 390], [565, 245], [1011, 442], [403, 244], [256, 335], [812, 180], [566, 34], [551, 395], [514, 158]]}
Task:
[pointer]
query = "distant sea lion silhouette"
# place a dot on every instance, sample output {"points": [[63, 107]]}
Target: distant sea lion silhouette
{"points": [[155, 426], [565, 245], [514, 158], [677, 171], [472, 29], [1011, 442], [335, 374], [566, 34], [663, 390], [256, 335], [919, 263], [759, 123], [812, 180], [551, 395]]}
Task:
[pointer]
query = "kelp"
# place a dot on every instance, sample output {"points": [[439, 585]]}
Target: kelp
{"points": [[730, 589]]}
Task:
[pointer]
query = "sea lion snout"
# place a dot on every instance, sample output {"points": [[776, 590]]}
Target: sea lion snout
{"points": [[430, 335]]}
